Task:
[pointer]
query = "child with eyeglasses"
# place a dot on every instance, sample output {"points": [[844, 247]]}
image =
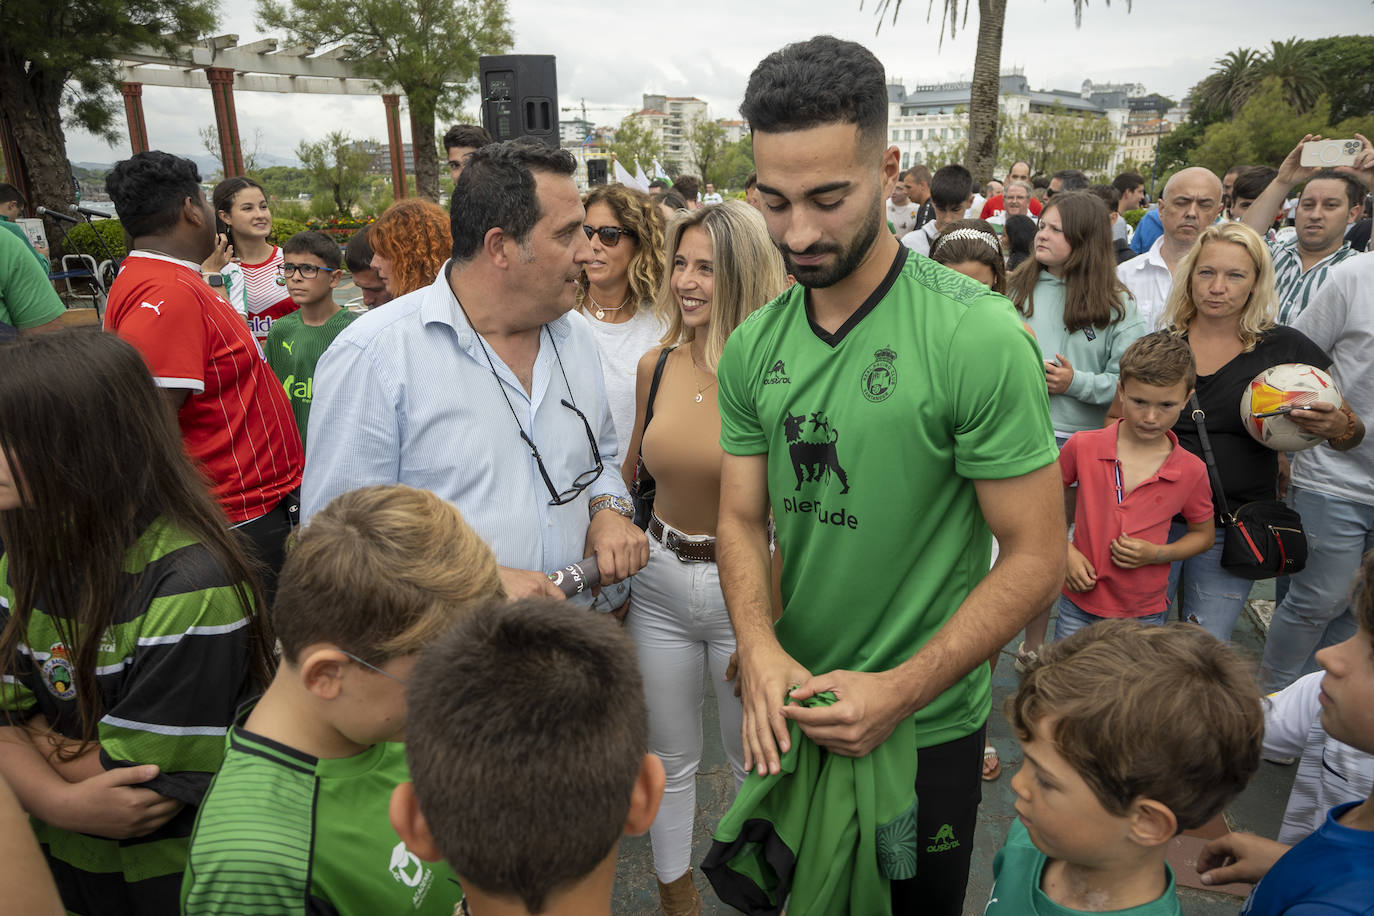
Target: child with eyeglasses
{"points": [[296, 821], [310, 269]]}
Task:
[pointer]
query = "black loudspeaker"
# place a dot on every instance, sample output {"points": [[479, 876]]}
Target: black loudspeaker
{"points": [[596, 171], [520, 96]]}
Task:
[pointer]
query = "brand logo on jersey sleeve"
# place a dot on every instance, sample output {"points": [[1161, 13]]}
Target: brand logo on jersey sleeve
{"points": [[777, 375], [880, 377], [57, 673]]}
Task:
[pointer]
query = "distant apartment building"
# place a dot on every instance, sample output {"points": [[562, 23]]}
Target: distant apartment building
{"points": [[1139, 145], [928, 121], [380, 156], [670, 119]]}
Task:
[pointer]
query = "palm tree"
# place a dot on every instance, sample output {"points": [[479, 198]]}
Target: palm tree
{"points": [[1291, 62], [981, 157], [1232, 81]]}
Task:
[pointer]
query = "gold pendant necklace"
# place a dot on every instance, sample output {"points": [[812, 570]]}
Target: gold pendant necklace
{"points": [[601, 310], [695, 368]]}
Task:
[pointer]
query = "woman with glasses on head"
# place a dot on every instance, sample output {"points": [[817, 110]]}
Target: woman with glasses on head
{"points": [[129, 621], [721, 267], [244, 264], [617, 288], [410, 241]]}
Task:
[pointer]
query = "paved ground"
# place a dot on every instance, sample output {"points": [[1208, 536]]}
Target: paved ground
{"points": [[1259, 808]]}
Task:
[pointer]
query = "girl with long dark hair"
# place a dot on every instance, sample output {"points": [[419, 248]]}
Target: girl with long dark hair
{"points": [[130, 631], [246, 257], [1082, 318]]}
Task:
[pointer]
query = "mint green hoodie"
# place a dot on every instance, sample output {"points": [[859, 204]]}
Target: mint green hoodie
{"points": [[1094, 353]]}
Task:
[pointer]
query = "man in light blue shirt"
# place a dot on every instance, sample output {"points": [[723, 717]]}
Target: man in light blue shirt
{"points": [[483, 388]]}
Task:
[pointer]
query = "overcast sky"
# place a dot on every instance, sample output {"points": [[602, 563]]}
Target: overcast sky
{"points": [[610, 52]]}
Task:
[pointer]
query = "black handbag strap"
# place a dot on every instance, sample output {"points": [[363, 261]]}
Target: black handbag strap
{"points": [[1218, 493], [653, 386]]}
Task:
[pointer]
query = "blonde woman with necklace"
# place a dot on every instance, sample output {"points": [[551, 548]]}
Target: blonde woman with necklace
{"points": [[617, 290], [721, 266]]}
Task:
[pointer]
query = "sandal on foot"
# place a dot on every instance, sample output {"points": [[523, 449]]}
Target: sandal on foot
{"points": [[990, 753], [1025, 658]]}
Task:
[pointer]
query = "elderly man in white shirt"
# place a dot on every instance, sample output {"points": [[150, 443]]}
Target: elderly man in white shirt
{"points": [[1189, 204]]}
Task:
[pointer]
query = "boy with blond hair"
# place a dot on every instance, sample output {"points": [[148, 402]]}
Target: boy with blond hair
{"points": [[1132, 479], [296, 822], [528, 745], [1131, 734]]}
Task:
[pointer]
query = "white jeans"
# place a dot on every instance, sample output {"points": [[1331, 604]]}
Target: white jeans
{"points": [[679, 624]]}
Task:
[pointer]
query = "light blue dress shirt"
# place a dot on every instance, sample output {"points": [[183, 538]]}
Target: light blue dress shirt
{"points": [[405, 395]]}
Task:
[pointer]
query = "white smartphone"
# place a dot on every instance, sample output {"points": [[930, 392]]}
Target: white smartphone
{"points": [[1325, 154]]}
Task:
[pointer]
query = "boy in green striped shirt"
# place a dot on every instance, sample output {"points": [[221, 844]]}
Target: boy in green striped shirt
{"points": [[310, 269], [296, 821]]}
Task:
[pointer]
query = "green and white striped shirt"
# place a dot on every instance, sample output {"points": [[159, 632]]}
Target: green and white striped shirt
{"points": [[171, 670], [1295, 287]]}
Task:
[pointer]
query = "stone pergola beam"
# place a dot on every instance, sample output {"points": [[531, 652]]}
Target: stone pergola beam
{"points": [[252, 82]]}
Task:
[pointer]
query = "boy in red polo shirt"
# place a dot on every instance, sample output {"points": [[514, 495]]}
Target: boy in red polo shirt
{"points": [[1132, 480]]}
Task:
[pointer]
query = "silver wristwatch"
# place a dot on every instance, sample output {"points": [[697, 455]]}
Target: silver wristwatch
{"points": [[607, 501]]}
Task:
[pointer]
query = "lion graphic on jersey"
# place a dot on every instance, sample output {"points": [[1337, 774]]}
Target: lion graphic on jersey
{"points": [[813, 458]]}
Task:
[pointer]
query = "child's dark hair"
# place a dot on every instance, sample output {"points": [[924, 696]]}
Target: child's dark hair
{"points": [[1160, 359], [1020, 232], [1092, 292], [525, 737], [148, 190], [358, 253], [316, 243], [9, 193], [972, 240], [380, 572], [466, 136], [950, 186], [1252, 181], [1363, 599], [223, 201], [1169, 713]]}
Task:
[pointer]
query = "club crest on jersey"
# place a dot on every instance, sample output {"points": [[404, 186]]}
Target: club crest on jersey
{"points": [[880, 377], [57, 673]]}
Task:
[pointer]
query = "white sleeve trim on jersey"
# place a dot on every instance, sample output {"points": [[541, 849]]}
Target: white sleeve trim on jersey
{"points": [[1289, 713], [210, 731], [195, 385], [171, 638]]}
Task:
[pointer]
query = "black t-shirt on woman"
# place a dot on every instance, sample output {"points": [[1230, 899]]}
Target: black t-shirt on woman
{"points": [[1249, 471]]}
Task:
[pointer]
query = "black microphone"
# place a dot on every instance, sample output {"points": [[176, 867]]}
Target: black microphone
{"points": [[53, 214], [87, 211]]}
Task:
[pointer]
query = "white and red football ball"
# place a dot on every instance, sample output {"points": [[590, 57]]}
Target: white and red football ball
{"points": [[1282, 388]]}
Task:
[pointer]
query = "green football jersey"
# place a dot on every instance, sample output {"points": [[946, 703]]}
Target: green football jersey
{"points": [[874, 437], [1017, 871], [171, 670], [283, 833], [293, 348]]}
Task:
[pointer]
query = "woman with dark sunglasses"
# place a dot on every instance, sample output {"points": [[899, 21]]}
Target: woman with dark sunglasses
{"points": [[721, 267], [617, 290]]}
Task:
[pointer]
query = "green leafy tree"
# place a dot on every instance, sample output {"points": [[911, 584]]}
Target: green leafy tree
{"points": [[429, 48], [734, 165], [981, 153], [336, 167], [1344, 63], [56, 54], [284, 182], [635, 143], [1262, 132], [706, 144]]}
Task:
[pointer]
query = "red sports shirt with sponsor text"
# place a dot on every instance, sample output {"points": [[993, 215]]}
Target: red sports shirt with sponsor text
{"points": [[236, 423]]}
